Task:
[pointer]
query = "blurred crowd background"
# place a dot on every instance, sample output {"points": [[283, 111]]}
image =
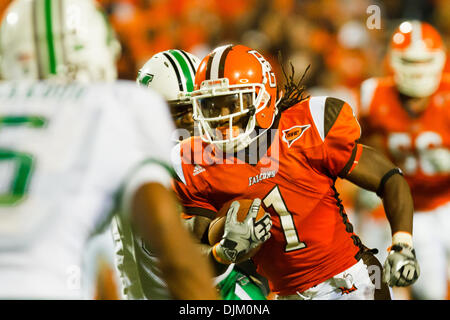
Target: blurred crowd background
{"points": [[343, 41], [330, 35], [339, 39], [333, 36]]}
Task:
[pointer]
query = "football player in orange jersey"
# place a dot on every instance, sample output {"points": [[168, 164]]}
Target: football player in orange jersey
{"points": [[171, 73], [407, 117], [288, 151]]}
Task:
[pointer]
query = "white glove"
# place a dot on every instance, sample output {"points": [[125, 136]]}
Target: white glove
{"points": [[401, 268], [241, 237]]}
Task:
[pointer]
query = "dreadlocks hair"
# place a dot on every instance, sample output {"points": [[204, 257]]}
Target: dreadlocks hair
{"points": [[293, 92]]}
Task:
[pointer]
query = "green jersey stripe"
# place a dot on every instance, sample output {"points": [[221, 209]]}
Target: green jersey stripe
{"points": [[185, 68], [32, 121]]}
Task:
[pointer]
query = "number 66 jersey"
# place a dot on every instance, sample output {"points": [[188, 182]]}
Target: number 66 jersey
{"points": [[419, 145], [292, 169], [65, 153]]}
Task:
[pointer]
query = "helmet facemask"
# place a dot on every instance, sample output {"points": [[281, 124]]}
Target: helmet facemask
{"points": [[227, 113], [417, 74], [417, 57]]}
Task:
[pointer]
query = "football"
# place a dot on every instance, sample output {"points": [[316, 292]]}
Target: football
{"points": [[217, 226]]}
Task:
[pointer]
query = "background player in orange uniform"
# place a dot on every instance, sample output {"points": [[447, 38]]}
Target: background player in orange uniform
{"points": [[407, 117], [288, 152]]}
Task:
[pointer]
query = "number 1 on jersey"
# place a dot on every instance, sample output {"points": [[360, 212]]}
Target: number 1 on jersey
{"points": [[275, 200]]}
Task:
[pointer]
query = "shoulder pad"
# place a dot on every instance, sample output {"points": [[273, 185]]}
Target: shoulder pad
{"points": [[324, 111]]}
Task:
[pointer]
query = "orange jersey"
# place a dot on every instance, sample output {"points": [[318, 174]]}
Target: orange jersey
{"points": [[312, 239], [409, 141]]}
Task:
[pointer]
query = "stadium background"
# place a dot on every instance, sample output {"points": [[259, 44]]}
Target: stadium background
{"points": [[333, 36]]}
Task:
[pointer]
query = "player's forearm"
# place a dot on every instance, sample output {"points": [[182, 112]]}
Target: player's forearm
{"points": [[184, 262], [186, 272], [199, 226], [398, 204], [376, 173], [219, 268]]}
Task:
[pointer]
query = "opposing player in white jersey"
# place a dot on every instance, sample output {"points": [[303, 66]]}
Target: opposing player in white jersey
{"points": [[170, 73], [72, 155]]}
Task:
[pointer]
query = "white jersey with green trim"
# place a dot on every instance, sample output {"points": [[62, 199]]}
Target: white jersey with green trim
{"points": [[138, 267], [65, 153]]}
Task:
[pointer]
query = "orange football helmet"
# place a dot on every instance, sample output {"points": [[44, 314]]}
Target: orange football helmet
{"points": [[417, 58], [235, 92]]}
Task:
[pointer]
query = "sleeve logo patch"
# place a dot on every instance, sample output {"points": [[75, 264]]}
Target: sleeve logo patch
{"points": [[294, 133], [345, 290]]}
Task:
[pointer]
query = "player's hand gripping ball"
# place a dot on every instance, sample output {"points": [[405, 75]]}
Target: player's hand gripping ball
{"points": [[239, 230]]}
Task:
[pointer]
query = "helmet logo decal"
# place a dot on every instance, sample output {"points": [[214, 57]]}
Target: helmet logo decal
{"points": [[268, 74], [146, 79], [294, 133]]}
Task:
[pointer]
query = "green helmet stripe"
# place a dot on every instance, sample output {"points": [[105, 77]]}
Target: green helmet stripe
{"points": [[177, 72], [188, 60], [49, 34], [185, 68]]}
